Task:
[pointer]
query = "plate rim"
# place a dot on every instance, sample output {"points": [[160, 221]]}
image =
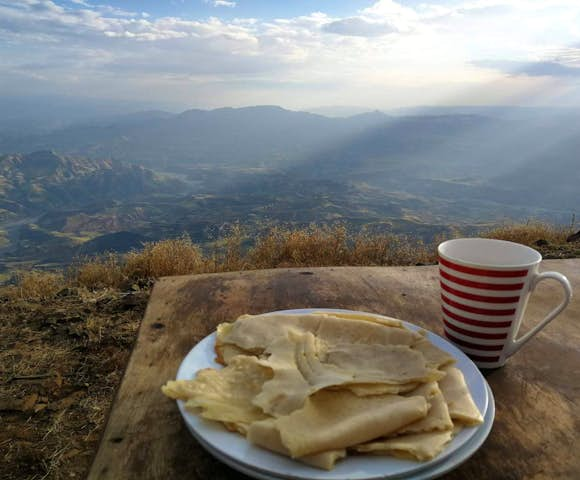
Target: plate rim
{"points": [[264, 471]]}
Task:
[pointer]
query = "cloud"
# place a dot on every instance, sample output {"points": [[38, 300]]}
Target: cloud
{"points": [[569, 56], [223, 3], [532, 69], [357, 26], [387, 52], [118, 12], [382, 18], [389, 9], [106, 9]]}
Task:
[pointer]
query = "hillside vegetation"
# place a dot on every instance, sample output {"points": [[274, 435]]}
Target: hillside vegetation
{"points": [[34, 183], [66, 335]]}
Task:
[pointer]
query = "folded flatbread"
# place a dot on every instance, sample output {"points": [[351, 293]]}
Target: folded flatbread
{"points": [[364, 389], [381, 320], [266, 435], [462, 409], [303, 365], [434, 356], [414, 446], [224, 395], [336, 420], [253, 334], [438, 418]]}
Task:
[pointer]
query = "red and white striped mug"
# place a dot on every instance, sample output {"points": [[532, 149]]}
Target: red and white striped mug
{"points": [[485, 287]]}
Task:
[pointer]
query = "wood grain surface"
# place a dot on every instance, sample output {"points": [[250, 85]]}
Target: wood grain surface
{"points": [[536, 434]]}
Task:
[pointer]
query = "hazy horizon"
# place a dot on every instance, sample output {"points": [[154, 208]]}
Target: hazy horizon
{"points": [[87, 108]]}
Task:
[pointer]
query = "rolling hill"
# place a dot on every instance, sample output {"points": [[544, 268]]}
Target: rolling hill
{"points": [[34, 183]]}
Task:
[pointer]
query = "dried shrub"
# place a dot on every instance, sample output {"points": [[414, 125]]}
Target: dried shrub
{"points": [[164, 258], [279, 247], [312, 246], [331, 246], [101, 272], [228, 253], [36, 285], [390, 250], [531, 233]]}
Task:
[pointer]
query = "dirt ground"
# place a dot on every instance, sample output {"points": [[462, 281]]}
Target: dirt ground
{"points": [[60, 364]]}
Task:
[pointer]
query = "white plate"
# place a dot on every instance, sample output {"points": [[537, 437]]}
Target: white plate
{"points": [[440, 468], [235, 447]]}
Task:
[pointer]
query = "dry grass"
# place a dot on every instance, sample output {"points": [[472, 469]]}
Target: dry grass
{"points": [[390, 250], [98, 273], [156, 259], [168, 257], [61, 362], [325, 246], [35, 285], [314, 246], [232, 257], [532, 233]]}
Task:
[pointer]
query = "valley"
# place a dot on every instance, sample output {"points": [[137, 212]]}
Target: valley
{"points": [[201, 172]]}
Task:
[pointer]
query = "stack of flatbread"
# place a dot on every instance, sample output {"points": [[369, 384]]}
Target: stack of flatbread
{"points": [[316, 386]]}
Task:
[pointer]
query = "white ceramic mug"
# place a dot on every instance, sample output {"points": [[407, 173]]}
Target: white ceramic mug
{"points": [[485, 287]]}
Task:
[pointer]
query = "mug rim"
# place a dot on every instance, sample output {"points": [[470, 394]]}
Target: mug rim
{"points": [[455, 259]]}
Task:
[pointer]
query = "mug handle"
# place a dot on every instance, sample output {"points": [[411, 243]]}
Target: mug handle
{"points": [[519, 343]]}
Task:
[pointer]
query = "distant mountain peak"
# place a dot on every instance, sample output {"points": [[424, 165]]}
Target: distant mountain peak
{"points": [[263, 108], [374, 115], [41, 163], [43, 156], [257, 109]]}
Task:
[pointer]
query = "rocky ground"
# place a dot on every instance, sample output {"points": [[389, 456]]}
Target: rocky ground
{"points": [[567, 250], [61, 361]]}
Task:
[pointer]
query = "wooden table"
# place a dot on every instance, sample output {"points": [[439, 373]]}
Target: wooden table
{"points": [[536, 434]]}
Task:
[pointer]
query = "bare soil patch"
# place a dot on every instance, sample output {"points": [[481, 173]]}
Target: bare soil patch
{"points": [[61, 361]]}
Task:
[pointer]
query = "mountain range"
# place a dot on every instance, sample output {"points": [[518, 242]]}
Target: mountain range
{"points": [[247, 136], [489, 144], [154, 174]]}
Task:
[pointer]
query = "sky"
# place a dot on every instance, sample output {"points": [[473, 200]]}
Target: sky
{"points": [[300, 54]]}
